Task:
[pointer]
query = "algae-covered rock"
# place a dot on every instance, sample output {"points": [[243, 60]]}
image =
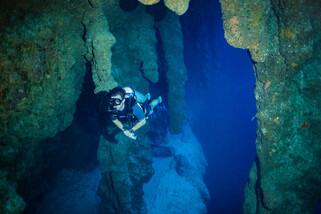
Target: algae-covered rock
{"points": [[125, 167], [252, 191], [284, 41], [178, 6], [251, 25], [11, 202], [149, 2], [172, 40], [99, 42], [42, 68], [134, 56], [41, 74]]}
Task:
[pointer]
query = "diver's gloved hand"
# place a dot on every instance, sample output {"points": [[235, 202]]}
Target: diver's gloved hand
{"points": [[130, 134]]}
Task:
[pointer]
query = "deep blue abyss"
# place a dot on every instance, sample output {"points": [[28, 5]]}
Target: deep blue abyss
{"points": [[220, 98]]}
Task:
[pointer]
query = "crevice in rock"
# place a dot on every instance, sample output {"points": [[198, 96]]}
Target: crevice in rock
{"points": [[116, 203], [159, 127], [72, 149], [158, 11], [128, 5], [90, 3], [258, 190]]}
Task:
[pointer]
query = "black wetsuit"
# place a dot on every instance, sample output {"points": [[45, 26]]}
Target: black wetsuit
{"points": [[132, 113]]}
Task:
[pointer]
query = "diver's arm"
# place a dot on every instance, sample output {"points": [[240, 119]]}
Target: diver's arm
{"points": [[138, 125], [128, 133], [119, 124]]}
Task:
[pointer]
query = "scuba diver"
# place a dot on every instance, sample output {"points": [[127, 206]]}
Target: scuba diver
{"points": [[129, 109]]}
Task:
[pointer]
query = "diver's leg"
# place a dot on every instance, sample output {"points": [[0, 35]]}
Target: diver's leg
{"points": [[141, 98], [155, 102]]}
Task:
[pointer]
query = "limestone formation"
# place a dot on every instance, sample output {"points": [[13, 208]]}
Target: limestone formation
{"points": [[172, 40], [125, 167], [284, 41], [42, 68], [46, 49], [125, 164], [134, 55], [99, 43], [177, 6], [149, 2], [177, 185]]}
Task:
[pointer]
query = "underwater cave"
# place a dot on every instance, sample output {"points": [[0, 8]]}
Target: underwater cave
{"points": [[237, 129]]}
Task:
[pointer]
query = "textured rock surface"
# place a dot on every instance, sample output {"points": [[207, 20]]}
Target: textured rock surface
{"points": [[149, 2], [45, 50], [284, 41], [172, 40], [134, 55], [126, 164], [125, 167], [99, 42], [177, 6], [42, 68], [177, 185]]}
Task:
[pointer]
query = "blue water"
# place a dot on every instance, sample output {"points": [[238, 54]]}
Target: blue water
{"points": [[220, 96]]}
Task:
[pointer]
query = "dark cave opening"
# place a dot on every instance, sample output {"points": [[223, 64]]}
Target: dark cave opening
{"points": [[69, 154], [77, 145]]}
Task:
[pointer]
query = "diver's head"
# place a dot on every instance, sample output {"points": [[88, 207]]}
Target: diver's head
{"points": [[117, 98]]}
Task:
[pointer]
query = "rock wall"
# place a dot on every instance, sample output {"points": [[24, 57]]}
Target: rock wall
{"points": [[99, 42], [40, 83], [177, 185], [126, 164], [283, 38], [172, 44], [42, 68], [46, 49], [125, 167], [134, 55]]}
